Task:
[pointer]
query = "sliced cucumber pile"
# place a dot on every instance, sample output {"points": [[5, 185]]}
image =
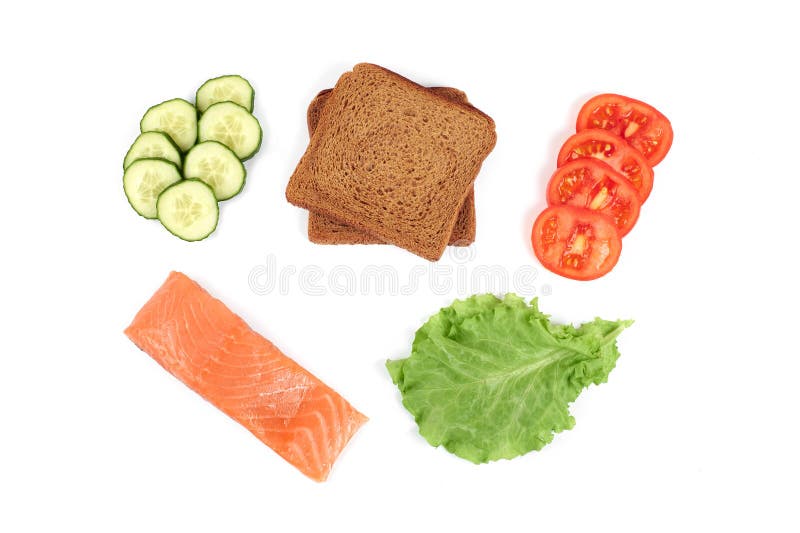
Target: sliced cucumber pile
{"points": [[231, 88], [177, 118], [233, 126], [144, 180], [188, 210], [152, 144], [216, 165], [180, 167]]}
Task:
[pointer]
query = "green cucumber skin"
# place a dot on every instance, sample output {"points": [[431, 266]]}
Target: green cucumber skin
{"points": [[260, 131], [252, 91], [197, 129], [258, 146], [167, 137], [244, 169], [162, 192], [216, 223]]}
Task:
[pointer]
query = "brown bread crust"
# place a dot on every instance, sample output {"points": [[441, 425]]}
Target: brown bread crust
{"points": [[392, 158], [325, 230]]}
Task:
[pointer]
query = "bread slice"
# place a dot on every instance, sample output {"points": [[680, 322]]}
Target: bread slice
{"points": [[393, 159], [325, 230]]}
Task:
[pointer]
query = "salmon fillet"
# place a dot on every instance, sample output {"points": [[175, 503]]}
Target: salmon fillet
{"points": [[197, 339]]}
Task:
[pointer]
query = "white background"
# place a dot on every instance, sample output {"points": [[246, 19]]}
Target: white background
{"points": [[696, 429]]}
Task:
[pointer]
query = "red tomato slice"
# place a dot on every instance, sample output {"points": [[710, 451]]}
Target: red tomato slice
{"points": [[612, 150], [575, 243], [590, 183], [640, 124]]}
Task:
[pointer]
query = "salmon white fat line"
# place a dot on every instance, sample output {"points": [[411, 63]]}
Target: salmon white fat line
{"points": [[459, 279]]}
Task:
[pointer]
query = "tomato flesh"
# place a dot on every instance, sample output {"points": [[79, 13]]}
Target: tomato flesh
{"points": [[575, 243], [592, 184], [640, 124], [615, 152]]}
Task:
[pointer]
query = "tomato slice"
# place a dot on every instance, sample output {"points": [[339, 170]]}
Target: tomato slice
{"points": [[640, 124], [612, 150], [592, 184], [575, 243]]}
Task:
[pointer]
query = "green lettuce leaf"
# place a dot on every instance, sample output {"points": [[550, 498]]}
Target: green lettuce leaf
{"points": [[493, 379]]}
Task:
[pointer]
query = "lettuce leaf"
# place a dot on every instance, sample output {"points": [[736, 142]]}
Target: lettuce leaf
{"points": [[492, 378]]}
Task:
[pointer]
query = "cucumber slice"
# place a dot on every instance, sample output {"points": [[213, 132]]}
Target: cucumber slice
{"points": [[233, 126], [144, 180], [150, 145], [188, 210], [217, 166], [177, 118], [231, 88]]}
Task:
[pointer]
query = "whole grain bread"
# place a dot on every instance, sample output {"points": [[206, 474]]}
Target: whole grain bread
{"points": [[315, 110], [393, 159], [326, 230]]}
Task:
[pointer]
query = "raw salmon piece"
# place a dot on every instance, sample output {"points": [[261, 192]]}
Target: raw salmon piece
{"points": [[213, 351]]}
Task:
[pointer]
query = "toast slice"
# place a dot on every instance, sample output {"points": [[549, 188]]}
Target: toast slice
{"points": [[393, 159], [325, 230]]}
